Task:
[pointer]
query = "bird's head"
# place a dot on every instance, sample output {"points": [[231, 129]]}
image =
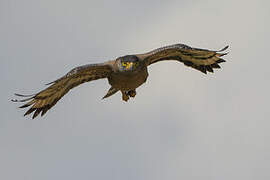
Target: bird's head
{"points": [[128, 63]]}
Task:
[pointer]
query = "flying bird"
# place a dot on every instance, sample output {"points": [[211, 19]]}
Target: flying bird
{"points": [[124, 74]]}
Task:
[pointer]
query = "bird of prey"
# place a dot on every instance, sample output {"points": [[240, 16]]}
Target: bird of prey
{"points": [[124, 74]]}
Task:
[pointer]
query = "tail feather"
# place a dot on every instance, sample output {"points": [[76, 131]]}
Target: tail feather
{"points": [[110, 92]]}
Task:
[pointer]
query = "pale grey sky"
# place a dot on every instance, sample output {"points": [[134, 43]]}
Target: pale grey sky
{"points": [[181, 125]]}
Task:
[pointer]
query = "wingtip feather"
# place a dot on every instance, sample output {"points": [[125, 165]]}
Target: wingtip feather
{"points": [[223, 54], [38, 110], [220, 61], [223, 49], [21, 95], [25, 105], [215, 66], [29, 111]]}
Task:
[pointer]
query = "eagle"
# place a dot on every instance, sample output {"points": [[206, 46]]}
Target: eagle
{"points": [[124, 74]]}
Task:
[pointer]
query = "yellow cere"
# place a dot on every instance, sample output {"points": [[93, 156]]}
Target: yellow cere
{"points": [[127, 65], [124, 64]]}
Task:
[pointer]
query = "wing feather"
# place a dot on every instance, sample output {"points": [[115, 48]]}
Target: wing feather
{"points": [[47, 98], [201, 59]]}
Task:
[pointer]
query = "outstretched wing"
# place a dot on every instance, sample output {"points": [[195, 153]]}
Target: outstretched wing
{"points": [[47, 98], [201, 59]]}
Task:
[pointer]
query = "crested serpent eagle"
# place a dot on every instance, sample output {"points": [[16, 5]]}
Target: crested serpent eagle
{"points": [[124, 74]]}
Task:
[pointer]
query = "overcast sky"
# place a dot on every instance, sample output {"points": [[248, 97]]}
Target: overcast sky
{"points": [[181, 125]]}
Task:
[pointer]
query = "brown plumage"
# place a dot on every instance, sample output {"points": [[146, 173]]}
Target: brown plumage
{"points": [[124, 74]]}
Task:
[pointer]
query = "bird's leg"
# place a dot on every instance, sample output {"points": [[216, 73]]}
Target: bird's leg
{"points": [[124, 96], [132, 93]]}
